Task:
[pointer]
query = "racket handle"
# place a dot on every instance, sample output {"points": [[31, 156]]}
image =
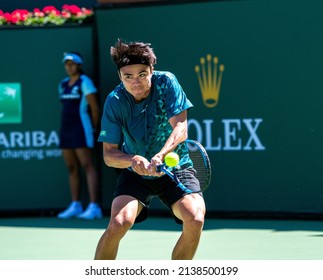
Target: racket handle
{"points": [[160, 167]]}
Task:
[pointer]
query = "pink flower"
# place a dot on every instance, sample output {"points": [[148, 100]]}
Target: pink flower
{"points": [[19, 15], [38, 13], [7, 17], [51, 10], [66, 14], [87, 12], [72, 8], [47, 15]]}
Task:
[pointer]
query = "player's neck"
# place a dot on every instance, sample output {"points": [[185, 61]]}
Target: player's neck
{"points": [[73, 79]]}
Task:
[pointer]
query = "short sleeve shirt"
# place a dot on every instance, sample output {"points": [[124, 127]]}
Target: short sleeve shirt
{"points": [[73, 97], [76, 125], [144, 127]]}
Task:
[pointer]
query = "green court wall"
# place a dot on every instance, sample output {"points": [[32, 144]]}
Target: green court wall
{"points": [[263, 131], [260, 121], [33, 174]]}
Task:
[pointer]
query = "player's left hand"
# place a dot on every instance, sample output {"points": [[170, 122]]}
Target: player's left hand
{"points": [[143, 167], [155, 161]]}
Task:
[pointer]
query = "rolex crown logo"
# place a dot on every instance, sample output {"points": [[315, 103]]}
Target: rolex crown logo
{"points": [[209, 74]]}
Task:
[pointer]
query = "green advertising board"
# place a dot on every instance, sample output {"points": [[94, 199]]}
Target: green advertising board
{"points": [[33, 173], [253, 70], [10, 103]]}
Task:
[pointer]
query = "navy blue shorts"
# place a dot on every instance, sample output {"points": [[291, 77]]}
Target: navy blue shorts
{"points": [[73, 135], [130, 183]]}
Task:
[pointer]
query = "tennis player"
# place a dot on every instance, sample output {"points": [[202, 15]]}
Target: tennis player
{"points": [[80, 117], [148, 112]]}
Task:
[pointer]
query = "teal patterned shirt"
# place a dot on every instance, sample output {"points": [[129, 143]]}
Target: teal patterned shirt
{"points": [[144, 127]]}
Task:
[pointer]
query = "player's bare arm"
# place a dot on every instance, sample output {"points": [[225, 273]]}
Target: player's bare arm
{"points": [[179, 134], [113, 157]]}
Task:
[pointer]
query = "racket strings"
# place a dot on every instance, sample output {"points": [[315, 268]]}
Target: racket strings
{"points": [[201, 164], [186, 176], [181, 175]]}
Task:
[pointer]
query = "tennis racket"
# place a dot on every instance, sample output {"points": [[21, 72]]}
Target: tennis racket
{"points": [[201, 163]]}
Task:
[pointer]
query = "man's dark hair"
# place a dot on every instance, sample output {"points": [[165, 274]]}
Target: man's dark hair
{"points": [[124, 54]]}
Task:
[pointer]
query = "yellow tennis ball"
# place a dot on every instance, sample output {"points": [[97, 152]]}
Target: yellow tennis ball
{"points": [[171, 159]]}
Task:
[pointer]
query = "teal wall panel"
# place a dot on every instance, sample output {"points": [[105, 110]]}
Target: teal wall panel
{"points": [[264, 136], [33, 174]]}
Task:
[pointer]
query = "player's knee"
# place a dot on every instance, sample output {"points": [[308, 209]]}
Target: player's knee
{"points": [[72, 168], [87, 166], [120, 225], [195, 222]]}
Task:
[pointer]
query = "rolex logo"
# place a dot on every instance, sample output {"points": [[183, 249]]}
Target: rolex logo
{"points": [[209, 74]]}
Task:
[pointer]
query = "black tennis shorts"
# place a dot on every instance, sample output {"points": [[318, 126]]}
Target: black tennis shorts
{"points": [[130, 183]]}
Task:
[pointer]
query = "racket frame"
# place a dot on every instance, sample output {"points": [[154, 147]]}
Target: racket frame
{"points": [[163, 168], [206, 161], [207, 164]]}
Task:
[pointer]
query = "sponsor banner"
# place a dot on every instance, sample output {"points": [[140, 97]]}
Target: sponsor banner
{"points": [[29, 145], [10, 103]]}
